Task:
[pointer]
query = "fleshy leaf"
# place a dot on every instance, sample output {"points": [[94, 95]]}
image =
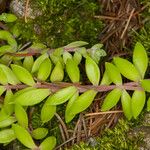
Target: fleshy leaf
{"points": [[146, 85], [137, 102], [39, 133], [148, 104], [7, 17], [21, 116], [7, 135], [11, 78], [57, 74], [77, 57], [48, 144], [127, 69], [66, 56], [38, 61], [113, 73], [126, 104], [111, 99], [3, 78], [106, 79], [23, 136], [76, 44], [2, 90], [32, 97], [92, 71], [73, 70], [62, 95], [47, 112], [7, 121], [82, 102], [44, 69], [28, 63], [23, 75], [140, 58]]}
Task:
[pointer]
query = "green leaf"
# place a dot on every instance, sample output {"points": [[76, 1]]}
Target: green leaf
{"points": [[106, 79], [23, 75], [126, 104], [39, 133], [73, 70], [44, 69], [68, 115], [3, 78], [113, 73], [111, 99], [82, 102], [127, 69], [23, 136], [57, 74], [32, 97], [140, 58], [48, 144], [146, 84], [5, 48], [7, 17], [92, 71], [137, 102], [77, 57], [47, 112], [76, 44], [21, 116], [62, 95], [28, 63], [11, 78], [2, 90], [38, 61], [8, 102], [7, 135], [148, 104], [7, 121], [66, 56]]}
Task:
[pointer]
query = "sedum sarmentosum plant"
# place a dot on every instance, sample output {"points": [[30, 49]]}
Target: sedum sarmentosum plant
{"points": [[26, 81]]}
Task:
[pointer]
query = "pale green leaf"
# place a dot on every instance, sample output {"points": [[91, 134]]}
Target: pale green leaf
{"points": [[32, 97], [23, 75], [39, 133], [66, 56], [28, 63], [73, 70], [7, 121], [126, 104], [21, 116], [146, 85], [62, 95], [23, 136], [2, 90], [92, 71], [48, 144], [105, 79], [137, 102], [148, 104], [7, 135], [127, 69], [140, 58], [77, 57], [44, 69], [113, 73], [76, 44], [111, 99], [3, 77]]}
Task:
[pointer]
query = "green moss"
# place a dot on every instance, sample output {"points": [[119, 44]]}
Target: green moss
{"points": [[63, 22]]}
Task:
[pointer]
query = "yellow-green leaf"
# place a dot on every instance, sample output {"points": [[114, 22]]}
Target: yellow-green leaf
{"points": [[111, 99], [127, 69], [2, 90], [32, 97], [146, 85], [23, 136], [73, 70], [7, 121], [77, 57], [7, 135], [44, 69], [28, 63], [148, 104], [21, 116], [106, 79], [62, 95], [137, 102], [3, 78], [76, 44], [47, 112], [66, 56], [48, 144], [23, 75], [140, 58], [126, 104], [38, 61], [113, 73], [11, 78], [57, 74], [39, 133], [92, 71]]}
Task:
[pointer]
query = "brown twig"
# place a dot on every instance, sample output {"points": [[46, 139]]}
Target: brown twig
{"points": [[26, 10]]}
